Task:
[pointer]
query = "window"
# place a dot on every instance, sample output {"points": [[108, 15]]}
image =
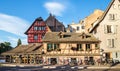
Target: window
{"points": [[35, 28], [110, 29], [35, 37], [111, 16], [110, 43], [49, 47], [96, 45], [44, 28], [87, 46], [116, 54], [79, 46], [56, 46], [82, 27], [78, 28], [41, 28], [65, 36]]}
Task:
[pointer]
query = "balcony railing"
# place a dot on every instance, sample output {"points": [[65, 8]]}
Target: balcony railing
{"points": [[79, 52]]}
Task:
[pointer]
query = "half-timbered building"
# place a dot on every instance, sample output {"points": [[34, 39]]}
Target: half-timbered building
{"points": [[64, 48], [36, 31]]}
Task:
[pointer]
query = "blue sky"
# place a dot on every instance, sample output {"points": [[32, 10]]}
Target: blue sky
{"points": [[17, 15]]}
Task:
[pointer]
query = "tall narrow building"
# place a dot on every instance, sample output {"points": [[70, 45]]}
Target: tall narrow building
{"points": [[36, 31]]}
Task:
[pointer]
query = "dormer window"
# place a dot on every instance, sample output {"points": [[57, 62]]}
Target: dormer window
{"points": [[60, 34], [87, 36], [83, 35], [64, 36]]}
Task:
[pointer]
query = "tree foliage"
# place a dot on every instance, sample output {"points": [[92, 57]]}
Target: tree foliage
{"points": [[5, 46], [19, 42]]}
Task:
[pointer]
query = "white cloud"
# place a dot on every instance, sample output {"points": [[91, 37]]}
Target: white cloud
{"points": [[13, 24], [15, 40], [54, 8]]}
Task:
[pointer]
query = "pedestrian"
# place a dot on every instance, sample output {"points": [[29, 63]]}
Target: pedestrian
{"points": [[80, 61], [99, 61]]}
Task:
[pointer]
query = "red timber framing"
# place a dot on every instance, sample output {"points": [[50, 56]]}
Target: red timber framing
{"points": [[36, 31]]}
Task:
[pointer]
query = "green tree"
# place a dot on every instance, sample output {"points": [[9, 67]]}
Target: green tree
{"points": [[19, 42], [5, 46]]}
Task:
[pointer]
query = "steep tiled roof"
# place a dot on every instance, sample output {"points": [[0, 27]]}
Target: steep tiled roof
{"points": [[24, 49], [54, 24], [89, 20], [69, 37]]}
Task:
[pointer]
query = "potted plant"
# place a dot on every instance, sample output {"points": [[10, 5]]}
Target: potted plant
{"points": [[81, 50], [58, 49], [50, 49], [96, 48], [89, 49]]}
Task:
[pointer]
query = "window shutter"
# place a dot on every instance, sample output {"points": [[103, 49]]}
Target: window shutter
{"points": [[115, 29], [105, 29], [112, 42]]}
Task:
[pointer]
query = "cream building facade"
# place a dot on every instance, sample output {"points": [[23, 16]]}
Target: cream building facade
{"points": [[107, 29]]}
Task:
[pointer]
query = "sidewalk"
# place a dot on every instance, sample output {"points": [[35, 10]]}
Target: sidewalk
{"points": [[54, 66], [104, 67], [22, 65]]}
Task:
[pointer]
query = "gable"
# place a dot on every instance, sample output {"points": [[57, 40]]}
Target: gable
{"points": [[104, 15], [38, 22]]}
